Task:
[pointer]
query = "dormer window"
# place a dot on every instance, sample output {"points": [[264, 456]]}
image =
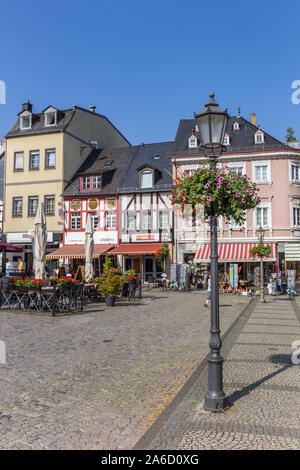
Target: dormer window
{"points": [[90, 182], [50, 117], [259, 137], [146, 179], [25, 120], [192, 141], [236, 126], [226, 139]]}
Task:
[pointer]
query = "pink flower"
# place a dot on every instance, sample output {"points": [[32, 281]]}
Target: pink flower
{"points": [[250, 192], [238, 195], [243, 199], [207, 185], [208, 198], [229, 186], [218, 185], [231, 176], [221, 179]]}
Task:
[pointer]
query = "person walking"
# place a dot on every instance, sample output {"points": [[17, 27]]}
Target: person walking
{"points": [[20, 266], [208, 297]]}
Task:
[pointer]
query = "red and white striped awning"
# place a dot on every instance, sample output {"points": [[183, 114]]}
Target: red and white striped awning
{"points": [[231, 252]]}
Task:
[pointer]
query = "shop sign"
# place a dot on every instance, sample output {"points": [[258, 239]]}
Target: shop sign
{"points": [[146, 236]]}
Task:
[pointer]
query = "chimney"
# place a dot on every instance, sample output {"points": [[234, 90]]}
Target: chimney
{"points": [[253, 119], [92, 108], [27, 107]]}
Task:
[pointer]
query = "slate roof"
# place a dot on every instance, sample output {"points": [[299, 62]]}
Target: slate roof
{"points": [[145, 157], [63, 119], [95, 165], [242, 139]]}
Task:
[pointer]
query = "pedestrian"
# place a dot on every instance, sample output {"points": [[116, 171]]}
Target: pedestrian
{"points": [[269, 286], [20, 265], [208, 297]]}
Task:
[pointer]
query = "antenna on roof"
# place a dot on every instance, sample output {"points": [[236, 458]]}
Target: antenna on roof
{"points": [[239, 109]]}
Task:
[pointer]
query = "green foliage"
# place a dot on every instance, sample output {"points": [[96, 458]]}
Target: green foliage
{"points": [[289, 136], [261, 250], [110, 283], [224, 191], [162, 255], [128, 276]]}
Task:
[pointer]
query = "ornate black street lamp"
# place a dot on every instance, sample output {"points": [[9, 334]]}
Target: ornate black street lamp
{"points": [[212, 121], [261, 235]]}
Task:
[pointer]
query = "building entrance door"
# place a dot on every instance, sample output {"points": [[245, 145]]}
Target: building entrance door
{"points": [[137, 265], [149, 270]]}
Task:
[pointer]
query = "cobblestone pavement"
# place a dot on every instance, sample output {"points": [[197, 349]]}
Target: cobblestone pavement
{"points": [[98, 380], [261, 381]]}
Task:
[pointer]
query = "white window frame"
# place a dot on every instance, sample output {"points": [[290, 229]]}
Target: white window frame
{"points": [[226, 139], [47, 154], [238, 227], [192, 142], [266, 163], [134, 221], [236, 126], [46, 117], [142, 174], [46, 199], [97, 183], [21, 154], [111, 217], [293, 208], [75, 216], [262, 137], [25, 115], [31, 205], [34, 153], [15, 212], [147, 216], [160, 220], [94, 217], [264, 205], [234, 165], [291, 164]]}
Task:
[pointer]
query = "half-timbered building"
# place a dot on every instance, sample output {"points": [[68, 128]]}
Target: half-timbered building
{"points": [[145, 215]]}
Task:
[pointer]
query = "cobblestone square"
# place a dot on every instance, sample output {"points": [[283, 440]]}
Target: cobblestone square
{"points": [[98, 380]]}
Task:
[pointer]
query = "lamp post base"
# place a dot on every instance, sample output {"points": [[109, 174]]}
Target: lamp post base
{"points": [[216, 402]]}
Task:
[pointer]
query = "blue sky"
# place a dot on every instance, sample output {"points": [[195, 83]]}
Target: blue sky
{"points": [[145, 64]]}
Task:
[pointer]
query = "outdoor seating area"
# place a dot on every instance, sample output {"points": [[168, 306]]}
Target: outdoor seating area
{"points": [[30, 295]]}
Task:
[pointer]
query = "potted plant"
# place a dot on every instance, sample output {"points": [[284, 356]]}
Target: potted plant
{"points": [[109, 284], [225, 191]]}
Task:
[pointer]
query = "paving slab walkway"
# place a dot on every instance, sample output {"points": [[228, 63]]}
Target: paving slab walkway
{"points": [[261, 381]]}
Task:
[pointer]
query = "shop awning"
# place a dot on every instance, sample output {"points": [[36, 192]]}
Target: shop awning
{"points": [[137, 249], [12, 248], [77, 251], [292, 251], [231, 252]]}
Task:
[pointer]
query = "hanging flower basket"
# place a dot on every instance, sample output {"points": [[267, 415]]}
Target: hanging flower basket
{"points": [[221, 192], [261, 250], [162, 255]]}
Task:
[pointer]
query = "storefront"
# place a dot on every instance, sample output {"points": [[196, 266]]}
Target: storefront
{"points": [[239, 253], [70, 257], [141, 258]]}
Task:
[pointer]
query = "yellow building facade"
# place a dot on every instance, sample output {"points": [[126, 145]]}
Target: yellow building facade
{"points": [[43, 152]]}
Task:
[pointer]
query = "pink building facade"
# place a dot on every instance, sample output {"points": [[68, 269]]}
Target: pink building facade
{"points": [[275, 167]]}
